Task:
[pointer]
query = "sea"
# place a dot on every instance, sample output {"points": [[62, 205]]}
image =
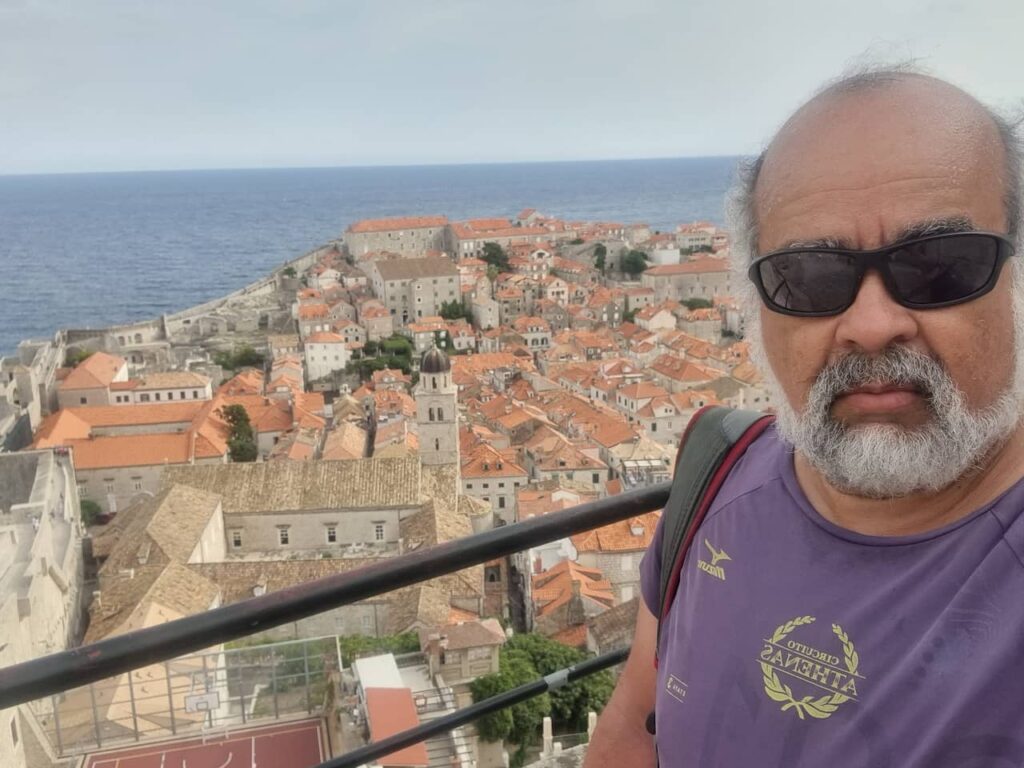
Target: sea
{"points": [[92, 250]]}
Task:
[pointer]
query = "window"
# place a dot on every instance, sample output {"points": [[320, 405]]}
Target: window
{"points": [[440, 414], [236, 539], [597, 478], [82, 400], [501, 502], [367, 623], [156, 396], [82, 492], [487, 485], [282, 536], [108, 483], [137, 483], [378, 531], [195, 394], [654, 426], [431, 414], [437, 444], [332, 534], [492, 574]]}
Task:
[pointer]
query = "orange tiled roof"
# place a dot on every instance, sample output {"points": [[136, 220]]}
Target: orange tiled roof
{"points": [[574, 636], [95, 372], [399, 222], [313, 311], [485, 461], [619, 537], [695, 267], [132, 450], [554, 587]]}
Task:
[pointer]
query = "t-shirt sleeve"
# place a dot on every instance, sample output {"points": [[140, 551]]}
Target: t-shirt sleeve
{"points": [[650, 571]]}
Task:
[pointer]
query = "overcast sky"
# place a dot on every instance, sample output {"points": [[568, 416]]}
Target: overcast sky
{"points": [[117, 85]]}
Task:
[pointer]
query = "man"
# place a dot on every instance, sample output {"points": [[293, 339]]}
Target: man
{"points": [[871, 609]]}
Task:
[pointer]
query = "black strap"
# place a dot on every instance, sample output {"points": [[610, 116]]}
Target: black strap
{"points": [[707, 441]]}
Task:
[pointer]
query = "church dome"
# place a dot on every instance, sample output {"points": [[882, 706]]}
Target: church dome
{"points": [[435, 361]]}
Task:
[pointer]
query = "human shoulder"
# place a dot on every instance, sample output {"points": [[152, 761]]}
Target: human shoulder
{"points": [[761, 467]]}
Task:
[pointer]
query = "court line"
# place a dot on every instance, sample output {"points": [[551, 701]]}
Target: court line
{"points": [[259, 732]]}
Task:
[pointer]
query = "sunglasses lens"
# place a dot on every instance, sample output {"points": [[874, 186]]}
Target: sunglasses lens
{"points": [[945, 269], [809, 281]]}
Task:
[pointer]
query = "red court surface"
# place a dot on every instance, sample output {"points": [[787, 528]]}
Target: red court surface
{"points": [[287, 745]]}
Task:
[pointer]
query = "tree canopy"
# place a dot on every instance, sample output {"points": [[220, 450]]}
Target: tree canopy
{"points": [[635, 262], [525, 658], [242, 440], [90, 511], [698, 303], [494, 254], [600, 257], [454, 310], [240, 357]]}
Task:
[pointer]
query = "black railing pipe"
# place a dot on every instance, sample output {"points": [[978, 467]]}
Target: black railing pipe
{"points": [[116, 655], [554, 681]]}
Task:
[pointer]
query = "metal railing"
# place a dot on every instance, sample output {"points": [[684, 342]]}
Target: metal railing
{"points": [[62, 671]]}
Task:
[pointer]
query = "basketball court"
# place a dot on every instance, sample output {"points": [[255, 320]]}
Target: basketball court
{"points": [[298, 744]]}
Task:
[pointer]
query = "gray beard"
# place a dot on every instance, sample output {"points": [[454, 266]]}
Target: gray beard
{"points": [[885, 460]]}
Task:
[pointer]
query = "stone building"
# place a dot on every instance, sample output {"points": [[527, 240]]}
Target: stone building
{"points": [[407, 235], [40, 586], [412, 289], [702, 278]]}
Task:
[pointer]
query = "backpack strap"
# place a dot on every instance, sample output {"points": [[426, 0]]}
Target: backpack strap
{"points": [[713, 442]]}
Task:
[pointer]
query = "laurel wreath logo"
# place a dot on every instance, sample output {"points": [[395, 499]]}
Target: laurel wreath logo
{"points": [[822, 706]]}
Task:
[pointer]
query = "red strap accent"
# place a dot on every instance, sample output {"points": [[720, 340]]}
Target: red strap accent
{"points": [[734, 454]]}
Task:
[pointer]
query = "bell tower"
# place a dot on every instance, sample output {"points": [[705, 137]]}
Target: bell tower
{"points": [[436, 410]]}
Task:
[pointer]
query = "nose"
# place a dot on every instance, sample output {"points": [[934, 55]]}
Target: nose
{"points": [[874, 321]]}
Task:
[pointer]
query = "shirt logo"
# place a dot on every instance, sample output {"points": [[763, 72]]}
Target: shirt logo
{"points": [[675, 688], [824, 679], [713, 568]]}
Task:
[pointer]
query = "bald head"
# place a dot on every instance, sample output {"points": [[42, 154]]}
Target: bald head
{"points": [[880, 129], [862, 164]]}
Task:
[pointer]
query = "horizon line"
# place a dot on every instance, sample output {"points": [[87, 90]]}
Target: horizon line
{"points": [[362, 166]]}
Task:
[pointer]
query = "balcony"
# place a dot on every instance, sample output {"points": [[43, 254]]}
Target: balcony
{"points": [[158, 679]]}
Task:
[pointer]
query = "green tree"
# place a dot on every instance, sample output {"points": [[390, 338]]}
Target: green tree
{"points": [[634, 262], [492, 273], [522, 721], [243, 356], [696, 249], [370, 348], [90, 511], [576, 241], [571, 703], [75, 357], [288, 272], [692, 304], [242, 439], [600, 257], [494, 254], [454, 310], [629, 316], [397, 345]]}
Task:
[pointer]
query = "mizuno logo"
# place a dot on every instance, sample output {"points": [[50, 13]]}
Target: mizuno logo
{"points": [[713, 568]]}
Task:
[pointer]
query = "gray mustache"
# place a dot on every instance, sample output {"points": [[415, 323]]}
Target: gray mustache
{"points": [[896, 366]]}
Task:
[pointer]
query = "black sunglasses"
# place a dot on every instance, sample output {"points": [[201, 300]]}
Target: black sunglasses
{"points": [[923, 273]]}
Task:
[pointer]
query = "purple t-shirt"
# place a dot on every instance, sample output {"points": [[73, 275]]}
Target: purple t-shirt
{"points": [[793, 642]]}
